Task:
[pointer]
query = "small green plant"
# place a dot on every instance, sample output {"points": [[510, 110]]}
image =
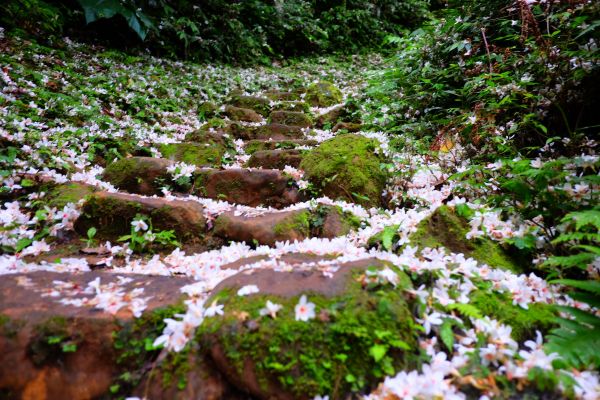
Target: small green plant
{"points": [[143, 237], [91, 233]]}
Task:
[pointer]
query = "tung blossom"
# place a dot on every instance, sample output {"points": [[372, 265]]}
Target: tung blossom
{"points": [[305, 310], [270, 309]]}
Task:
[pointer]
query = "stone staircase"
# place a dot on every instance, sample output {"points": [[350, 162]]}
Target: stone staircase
{"points": [[79, 348]]}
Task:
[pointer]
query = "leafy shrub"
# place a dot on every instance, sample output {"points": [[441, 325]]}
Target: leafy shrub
{"points": [[219, 30], [498, 76]]}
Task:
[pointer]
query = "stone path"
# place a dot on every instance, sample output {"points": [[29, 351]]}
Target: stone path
{"points": [[59, 328], [243, 197]]}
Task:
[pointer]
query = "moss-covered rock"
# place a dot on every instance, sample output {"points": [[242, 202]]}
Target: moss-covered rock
{"points": [[264, 229], [277, 131], [207, 154], [360, 333], [277, 95], [259, 104], [208, 109], [112, 213], [323, 94], [242, 114], [445, 228], [291, 118], [275, 159], [347, 167], [67, 193], [297, 106], [253, 146], [142, 175], [332, 221], [524, 322]]}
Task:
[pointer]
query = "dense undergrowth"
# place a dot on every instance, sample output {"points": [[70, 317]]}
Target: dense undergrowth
{"points": [[217, 30]]}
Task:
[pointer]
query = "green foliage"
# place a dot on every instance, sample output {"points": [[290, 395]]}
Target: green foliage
{"points": [[577, 339], [137, 20], [141, 239], [219, 30], [497, 78]]}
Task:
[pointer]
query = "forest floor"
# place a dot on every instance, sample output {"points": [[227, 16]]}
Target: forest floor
{"points": [[193, 231]]}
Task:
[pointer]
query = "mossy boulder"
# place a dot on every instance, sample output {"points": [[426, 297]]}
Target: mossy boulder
{"points": [[445, 228], [277, 95], [275, 159], [208, 109], [112, 213], [347, 167], [269, 228], [343, 113], [277, 131], [323, 94], [264, 229], [524, 322], [242, 114], [332, 221], [207, 154], [66, 193], [297, 106], [291, 118], [361, 332], [141, 175], [252, 146], [261, 105]]}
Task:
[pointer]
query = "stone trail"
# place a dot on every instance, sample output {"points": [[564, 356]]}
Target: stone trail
{"points": [[68, 335], [73, 348]]}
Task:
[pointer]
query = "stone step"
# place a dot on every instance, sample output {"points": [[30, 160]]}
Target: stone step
{"points": [[198, 154], [141, 175], [298, 306], [291, 118], [268, 228], [252, 146], [112, 213], [242, 114], [261, 105], [272, 131], [251, 187], [275, 159], [297, 106], [277, 95], [53, 350]]}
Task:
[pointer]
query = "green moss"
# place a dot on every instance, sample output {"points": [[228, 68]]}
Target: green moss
{"points": [[206, 154], [524, 323], [296, 223], [111, 217], [48, 343], [253, 146], [66, 193], [119, 172], [323, 94], [9, 328], [259, 104], [207, 109], [331, 354], [133, 342], [138, 174], [445, 228], [290, 118], [297, 106], [347, 166]]}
